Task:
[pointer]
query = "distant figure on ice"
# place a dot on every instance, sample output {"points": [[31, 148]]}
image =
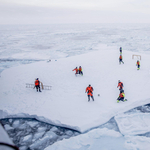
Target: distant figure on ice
{"points": [[120, 85], [121, 97], [89, 91], [37, 85], [120, 59], [76, 69], [138, 64], [80, 71], [120, 50]]}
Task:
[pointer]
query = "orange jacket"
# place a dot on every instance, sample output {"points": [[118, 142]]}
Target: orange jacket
{"points": [[138, 63], [76, 69], [120, 57], [89, 90], [37, 83], [120, 84], [121, 95], [80, 69]]}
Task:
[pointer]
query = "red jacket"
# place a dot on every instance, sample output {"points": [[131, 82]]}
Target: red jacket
{"points": [[121, 95], [80, 69], [76, 69], [37, 82], [120, 84], [89, 90], [138, 63]]}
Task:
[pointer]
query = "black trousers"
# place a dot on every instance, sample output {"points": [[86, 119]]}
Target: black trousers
{"points": [[38, 87], [120, 98], [120, 60], [80, 72], [91, 97]]}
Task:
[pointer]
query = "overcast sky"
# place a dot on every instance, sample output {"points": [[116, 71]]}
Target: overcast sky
{"points": [[74, 11]]}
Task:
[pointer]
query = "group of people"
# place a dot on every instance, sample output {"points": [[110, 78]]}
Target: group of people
{"points": [[121, 97], [78, 70], [89, 89], [122, 94], [121, 59]]}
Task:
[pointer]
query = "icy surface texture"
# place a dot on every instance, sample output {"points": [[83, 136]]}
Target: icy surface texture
{"points": [[109, 137], [111, 125], [135, 121], [56, 41], [32, 134], [143, 109]]}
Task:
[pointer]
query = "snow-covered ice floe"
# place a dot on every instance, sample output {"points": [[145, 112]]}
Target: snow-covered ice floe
{"points": [[66, 104], [133, 124]]}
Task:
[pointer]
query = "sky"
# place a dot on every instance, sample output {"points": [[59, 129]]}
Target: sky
{"points": [[74, 11]]}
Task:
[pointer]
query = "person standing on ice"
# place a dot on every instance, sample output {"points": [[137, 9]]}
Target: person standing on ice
{"points": [[120, 59], [120, 50], [37, 85], [138, 64], [76, 69], [121, 97], [120, 85], [89, 91], [80, 71]]}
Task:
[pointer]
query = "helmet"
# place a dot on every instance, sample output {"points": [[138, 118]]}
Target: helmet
{"points": [[89, 84]]}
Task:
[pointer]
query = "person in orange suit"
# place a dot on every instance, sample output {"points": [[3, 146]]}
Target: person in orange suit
{"points": [[76, 69], [120, 85], [120, 59], [80, 71], [138, 65], [37, 85], [89, 91]]}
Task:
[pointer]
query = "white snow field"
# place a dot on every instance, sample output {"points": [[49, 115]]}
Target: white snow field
{"points": [[66, 104], [102, 139]]}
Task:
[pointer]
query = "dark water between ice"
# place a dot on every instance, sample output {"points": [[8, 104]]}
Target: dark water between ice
{"points": [[33, 134]]}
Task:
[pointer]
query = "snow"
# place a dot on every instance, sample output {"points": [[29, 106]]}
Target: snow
{"points": [[96, 139], [103, 139], [16, 123], [8, 127], [66, 104], [4, 138], [133, 124], [27, 138], [31, 133], [137, 142]]}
